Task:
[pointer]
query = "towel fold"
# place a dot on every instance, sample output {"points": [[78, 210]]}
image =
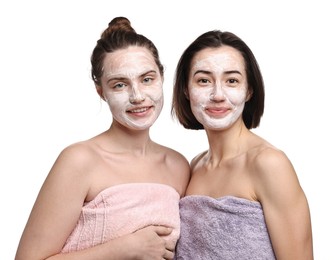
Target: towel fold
{"points": [[124, 209], [226, 228]]}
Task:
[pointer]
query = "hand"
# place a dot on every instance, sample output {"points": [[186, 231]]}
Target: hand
{"points": [[149, 243]]}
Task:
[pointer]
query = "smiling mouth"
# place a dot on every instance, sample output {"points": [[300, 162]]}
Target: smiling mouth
{"points": [[217, 110], [139, 110]]}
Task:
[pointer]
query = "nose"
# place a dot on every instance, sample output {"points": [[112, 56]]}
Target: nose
{"points": [[136, 96], [218, 93]]}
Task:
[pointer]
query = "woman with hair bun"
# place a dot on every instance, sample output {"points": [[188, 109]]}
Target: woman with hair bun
{"points": [[116, 195]]}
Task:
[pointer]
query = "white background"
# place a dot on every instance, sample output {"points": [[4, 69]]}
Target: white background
{"points": [[48, 101]]}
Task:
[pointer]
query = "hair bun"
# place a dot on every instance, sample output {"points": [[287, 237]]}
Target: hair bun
{"points": [[118, 24]]}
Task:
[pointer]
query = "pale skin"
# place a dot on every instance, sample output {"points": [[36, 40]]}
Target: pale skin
{"points": [[84, 169], [238, 162]]}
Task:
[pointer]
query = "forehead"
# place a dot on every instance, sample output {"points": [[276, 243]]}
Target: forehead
{"points": [[224, 57], [131, 60]]}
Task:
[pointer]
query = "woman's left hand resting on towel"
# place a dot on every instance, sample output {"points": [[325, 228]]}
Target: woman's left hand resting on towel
{"points": [[128, 76]]}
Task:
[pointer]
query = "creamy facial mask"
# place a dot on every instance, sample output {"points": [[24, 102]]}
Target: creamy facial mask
{"points": [[217, 87], [132, 87]]}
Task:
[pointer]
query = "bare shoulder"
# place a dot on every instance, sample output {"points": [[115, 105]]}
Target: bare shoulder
{"points": [[75, 160], [195, 161], [267, 157], [79, 154], [274, 173], [178, 163], [73, 170], [178, 166], [175, 158]]}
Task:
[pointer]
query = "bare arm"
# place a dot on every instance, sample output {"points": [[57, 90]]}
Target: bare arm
{"points": [[57, 210], [146, 243], [285, 206]]}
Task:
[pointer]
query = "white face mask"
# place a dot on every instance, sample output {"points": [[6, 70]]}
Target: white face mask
{"points": [[217, 87], [132, 87]]}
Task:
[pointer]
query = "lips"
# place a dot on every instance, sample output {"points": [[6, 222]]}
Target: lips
{"points": [[217, 110], [139, 110]]}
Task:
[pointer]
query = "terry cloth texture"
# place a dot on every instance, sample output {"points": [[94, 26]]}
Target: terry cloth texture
{"points": [[124, 209], [227, 228]]}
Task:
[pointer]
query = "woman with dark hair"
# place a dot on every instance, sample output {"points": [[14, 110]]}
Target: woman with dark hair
{"points": [[244, 200], [116, 195]]}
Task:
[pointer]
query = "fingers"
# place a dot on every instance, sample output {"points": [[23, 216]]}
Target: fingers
{"points": [[157, 243], [162, 231], [168, 255], [169, 245]]}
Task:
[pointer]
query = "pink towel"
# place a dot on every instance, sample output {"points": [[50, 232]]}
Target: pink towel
{"points": [[124, 209]]}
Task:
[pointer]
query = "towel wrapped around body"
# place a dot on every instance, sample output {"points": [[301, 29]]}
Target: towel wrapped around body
{"points": [[226, 228], [124, 209]]}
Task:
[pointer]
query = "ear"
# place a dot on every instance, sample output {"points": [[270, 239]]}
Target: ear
{"points": [[99, 91], [186, 93], [249, 94]]}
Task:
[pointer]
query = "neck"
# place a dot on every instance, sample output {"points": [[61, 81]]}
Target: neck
{"points": [[227, 143], [129, 140]]}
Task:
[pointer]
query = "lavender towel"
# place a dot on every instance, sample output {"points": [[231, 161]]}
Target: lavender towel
{"points": [[227, 228]]}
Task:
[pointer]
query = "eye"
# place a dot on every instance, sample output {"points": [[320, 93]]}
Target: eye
{"points": [[118, 86], [232, 82], [203, 81], [147, 80]]}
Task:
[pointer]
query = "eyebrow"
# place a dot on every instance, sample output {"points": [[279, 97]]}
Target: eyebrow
{"points": [[148, 72], [232, 72], [121, 78], [225, 72], [116, 78], [202, 71]]}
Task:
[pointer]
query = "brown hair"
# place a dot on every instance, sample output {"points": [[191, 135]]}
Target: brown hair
{"points": [[119, 35], [254, 107]]}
